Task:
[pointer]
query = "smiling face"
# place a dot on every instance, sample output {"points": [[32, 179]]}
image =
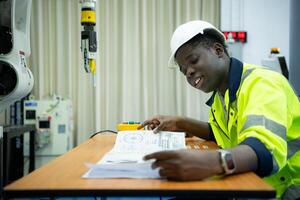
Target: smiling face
{"points": [[205, 68]]}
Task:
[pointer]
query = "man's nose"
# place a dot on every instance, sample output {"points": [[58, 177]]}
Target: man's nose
{"points": [[190, 72]]}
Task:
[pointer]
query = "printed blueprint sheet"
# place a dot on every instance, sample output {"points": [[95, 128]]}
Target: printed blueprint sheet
{"points": [[125, 160]]}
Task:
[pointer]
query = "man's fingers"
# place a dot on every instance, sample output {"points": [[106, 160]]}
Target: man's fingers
{"points": [[152, 123], [167, 173], [165, 164], [161, 155], [159, 128], [151, 126], [145, 123]]}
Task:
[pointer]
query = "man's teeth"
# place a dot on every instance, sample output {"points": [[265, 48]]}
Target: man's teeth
{"points": [[197, 81]]}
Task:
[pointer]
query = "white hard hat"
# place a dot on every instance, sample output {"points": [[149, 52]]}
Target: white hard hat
{"points": [[187, 31]]}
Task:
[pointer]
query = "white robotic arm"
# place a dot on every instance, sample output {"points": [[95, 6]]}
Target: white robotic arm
{"points": [[16, 79]]}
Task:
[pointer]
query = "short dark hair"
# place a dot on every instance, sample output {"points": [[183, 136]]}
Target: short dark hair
{"points": [[207, 41]]}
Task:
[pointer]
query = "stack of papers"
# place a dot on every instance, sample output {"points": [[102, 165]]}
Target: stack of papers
{"points": [[125, 160]]}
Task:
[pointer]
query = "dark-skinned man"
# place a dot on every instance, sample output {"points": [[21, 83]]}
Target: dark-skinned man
{"points": [[254, 116]]}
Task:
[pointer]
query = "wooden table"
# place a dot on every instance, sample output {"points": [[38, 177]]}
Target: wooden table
{"points": [[62, 177]]}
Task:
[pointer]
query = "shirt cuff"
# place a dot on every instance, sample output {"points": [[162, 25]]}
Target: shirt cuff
{"points": [[264, 157]]}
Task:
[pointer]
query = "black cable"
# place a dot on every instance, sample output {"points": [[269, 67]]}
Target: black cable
{"points": [[115, 132]]}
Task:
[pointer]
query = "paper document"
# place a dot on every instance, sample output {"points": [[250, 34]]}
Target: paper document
{"points": [[125, 160]]}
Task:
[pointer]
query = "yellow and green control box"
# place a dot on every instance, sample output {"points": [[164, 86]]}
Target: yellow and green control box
{"points": [[128, 126]]}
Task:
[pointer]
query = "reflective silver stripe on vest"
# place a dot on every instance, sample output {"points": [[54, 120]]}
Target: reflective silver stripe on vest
{"points": [[293, 147], [260, 120], [291, 193], [246, 74]]}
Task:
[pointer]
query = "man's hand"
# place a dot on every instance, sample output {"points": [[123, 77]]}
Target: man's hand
{"points": [[162, 123], [186, 165], [190, 126]]}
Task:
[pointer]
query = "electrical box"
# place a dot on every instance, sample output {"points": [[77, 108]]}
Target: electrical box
{"points": [[54, 122], [128, 126]]}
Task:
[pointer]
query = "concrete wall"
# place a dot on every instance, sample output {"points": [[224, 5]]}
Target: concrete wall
{"points": [[295, 44]]}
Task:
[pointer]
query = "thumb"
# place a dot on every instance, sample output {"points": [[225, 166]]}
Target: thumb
{"points": [[159, 128]]}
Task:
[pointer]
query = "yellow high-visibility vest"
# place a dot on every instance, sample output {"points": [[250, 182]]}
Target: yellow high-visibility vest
{"points": [[265, 107]]}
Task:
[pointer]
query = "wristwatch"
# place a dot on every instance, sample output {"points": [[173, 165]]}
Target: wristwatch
{"points": [[227, 161]]}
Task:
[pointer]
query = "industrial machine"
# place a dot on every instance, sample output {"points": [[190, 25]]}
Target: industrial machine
{"points": [[53, 117], [88, 36], [54, 122], [16, 79], [276, 62]]}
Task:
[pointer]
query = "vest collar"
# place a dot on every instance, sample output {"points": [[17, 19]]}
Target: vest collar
{"points": [[234, 80]]}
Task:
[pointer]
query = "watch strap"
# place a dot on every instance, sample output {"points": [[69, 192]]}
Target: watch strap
{"points": [[227, 161]]}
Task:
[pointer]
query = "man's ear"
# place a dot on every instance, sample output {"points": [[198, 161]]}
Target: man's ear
{"points": [[219, 49]]}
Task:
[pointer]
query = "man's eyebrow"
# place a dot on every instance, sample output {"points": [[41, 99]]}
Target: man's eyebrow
{"points": [[190, 55]]}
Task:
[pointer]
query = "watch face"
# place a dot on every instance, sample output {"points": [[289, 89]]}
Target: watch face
{"points": [[229, 161]]}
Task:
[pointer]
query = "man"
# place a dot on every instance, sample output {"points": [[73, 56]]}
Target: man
{"points": [[254, 116]]}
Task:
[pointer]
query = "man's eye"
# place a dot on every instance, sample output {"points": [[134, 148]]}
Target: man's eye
{"points": [[194, 61]]}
